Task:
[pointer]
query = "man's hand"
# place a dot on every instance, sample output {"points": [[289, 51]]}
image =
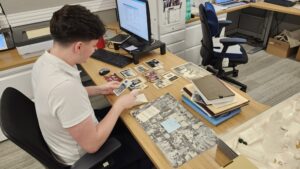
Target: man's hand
{"points": [[127, 101], [108, 88]]}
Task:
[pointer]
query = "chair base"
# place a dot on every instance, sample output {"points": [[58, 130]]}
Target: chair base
{"points": [[224, 75]]}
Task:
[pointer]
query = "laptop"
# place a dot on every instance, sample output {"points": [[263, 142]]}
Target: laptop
{"points": [[229, 3]]}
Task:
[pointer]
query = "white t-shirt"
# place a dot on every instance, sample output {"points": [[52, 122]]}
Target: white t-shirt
{"points": [[61, 102]]}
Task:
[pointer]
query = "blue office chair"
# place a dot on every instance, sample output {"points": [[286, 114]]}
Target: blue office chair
{"points": [[213, 53], [19, 124]]}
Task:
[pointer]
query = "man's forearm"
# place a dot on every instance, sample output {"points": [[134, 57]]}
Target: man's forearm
{"points": [[93, 90]]}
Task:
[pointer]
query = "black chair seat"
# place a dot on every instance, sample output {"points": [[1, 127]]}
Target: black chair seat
{"points": [[233, 57], [19, 123]]}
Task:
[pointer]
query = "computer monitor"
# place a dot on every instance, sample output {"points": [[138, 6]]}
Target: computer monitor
{"points": [[134, 18]]}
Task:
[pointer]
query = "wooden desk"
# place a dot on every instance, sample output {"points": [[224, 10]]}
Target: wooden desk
{"points": [[204, 160], [11, 59], [276, 8]]}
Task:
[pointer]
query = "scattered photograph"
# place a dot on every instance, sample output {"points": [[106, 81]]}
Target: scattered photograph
{"points": [[137, 83], [113, 77], [151, 76], [118, 91], [170, 76], [154, 64], [141, 68], [161, 83], [128, 73], [190, 71]]}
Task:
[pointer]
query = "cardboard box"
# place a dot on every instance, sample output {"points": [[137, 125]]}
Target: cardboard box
{"points": [[279, 48], [298, 54]]}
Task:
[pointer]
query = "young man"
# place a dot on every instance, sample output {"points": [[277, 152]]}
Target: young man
{"points": [[64, 112]]}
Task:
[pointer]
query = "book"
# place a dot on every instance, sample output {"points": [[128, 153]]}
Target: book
{"points": [[213, 120], [212, 90], [215, 109]]}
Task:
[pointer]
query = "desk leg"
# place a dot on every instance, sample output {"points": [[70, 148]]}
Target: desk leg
{"points": [[135, 58], [268, 25], [163, 49]]}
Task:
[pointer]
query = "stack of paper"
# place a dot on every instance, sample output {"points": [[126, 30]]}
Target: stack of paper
{"points": [[214, 113]]}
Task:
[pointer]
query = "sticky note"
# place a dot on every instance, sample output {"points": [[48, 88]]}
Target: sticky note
{"points": [[170, 125]]}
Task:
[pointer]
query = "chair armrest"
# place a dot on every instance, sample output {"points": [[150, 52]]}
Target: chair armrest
{"points": [[232, 41], [90, 160], [223, 24]]}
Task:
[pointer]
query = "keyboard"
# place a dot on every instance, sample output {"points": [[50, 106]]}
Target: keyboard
{"points": [[112, 58]]}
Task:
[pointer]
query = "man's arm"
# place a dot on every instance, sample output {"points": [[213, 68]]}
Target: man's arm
{"points": [[91, 136], [106, 88]]}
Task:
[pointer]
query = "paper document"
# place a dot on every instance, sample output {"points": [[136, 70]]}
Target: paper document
{"points": [[130, 48], [38, 33]]}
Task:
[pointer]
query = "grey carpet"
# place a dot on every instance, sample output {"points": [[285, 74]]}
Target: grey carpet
{"points": [[270, 80]]}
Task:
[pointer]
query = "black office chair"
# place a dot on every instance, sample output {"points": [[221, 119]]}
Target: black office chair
{"points": [[211, 56], [19, 124]]}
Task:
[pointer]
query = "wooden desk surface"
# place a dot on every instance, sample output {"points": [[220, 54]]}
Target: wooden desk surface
{"points": [[11, 58], [260, 5], [276, 8], [205, 160]]}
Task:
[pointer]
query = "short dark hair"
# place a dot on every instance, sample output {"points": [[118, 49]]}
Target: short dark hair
{"points": [[74, 23]]}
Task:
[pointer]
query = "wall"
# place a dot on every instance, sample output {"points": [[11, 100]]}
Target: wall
{"points": [[107, 16], [27, 5]]}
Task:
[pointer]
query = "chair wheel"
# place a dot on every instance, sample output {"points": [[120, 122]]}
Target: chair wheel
{"points": [[244, 89], [235, 73]]}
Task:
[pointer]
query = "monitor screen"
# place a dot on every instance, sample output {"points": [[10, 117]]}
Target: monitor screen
{"points": [[134, 18], [3, 44]]}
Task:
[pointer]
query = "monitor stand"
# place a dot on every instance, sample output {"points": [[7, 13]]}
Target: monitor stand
{"points": [[142, 47]]}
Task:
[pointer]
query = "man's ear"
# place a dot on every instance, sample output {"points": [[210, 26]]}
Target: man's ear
{"points": [[77, 47]]}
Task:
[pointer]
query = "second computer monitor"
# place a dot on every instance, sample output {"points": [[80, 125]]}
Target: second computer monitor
{"points": [[134, 18]]}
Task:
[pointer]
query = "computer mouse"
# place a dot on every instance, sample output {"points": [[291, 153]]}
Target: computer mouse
{"points": [[103, 71]]}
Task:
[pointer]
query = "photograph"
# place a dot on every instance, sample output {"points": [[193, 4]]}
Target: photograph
{"points": [[113, 77], [170, 76], [154, 64], [118, 91], [161, 83], [137, 83], [151, 76], [141, 68], [190, 71], [128, 73]]}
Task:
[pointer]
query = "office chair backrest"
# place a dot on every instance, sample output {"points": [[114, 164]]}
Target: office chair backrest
{"points": [[19, 123], [212, 18], [206, 51]]}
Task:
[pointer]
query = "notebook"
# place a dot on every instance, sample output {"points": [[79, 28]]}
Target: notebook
{"points": [[212, 90]]}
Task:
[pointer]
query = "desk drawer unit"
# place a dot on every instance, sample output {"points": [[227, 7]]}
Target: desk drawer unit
{"points": [[19, 78], [193, 55], [176, 47], [173, 37], [193, 35]]}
